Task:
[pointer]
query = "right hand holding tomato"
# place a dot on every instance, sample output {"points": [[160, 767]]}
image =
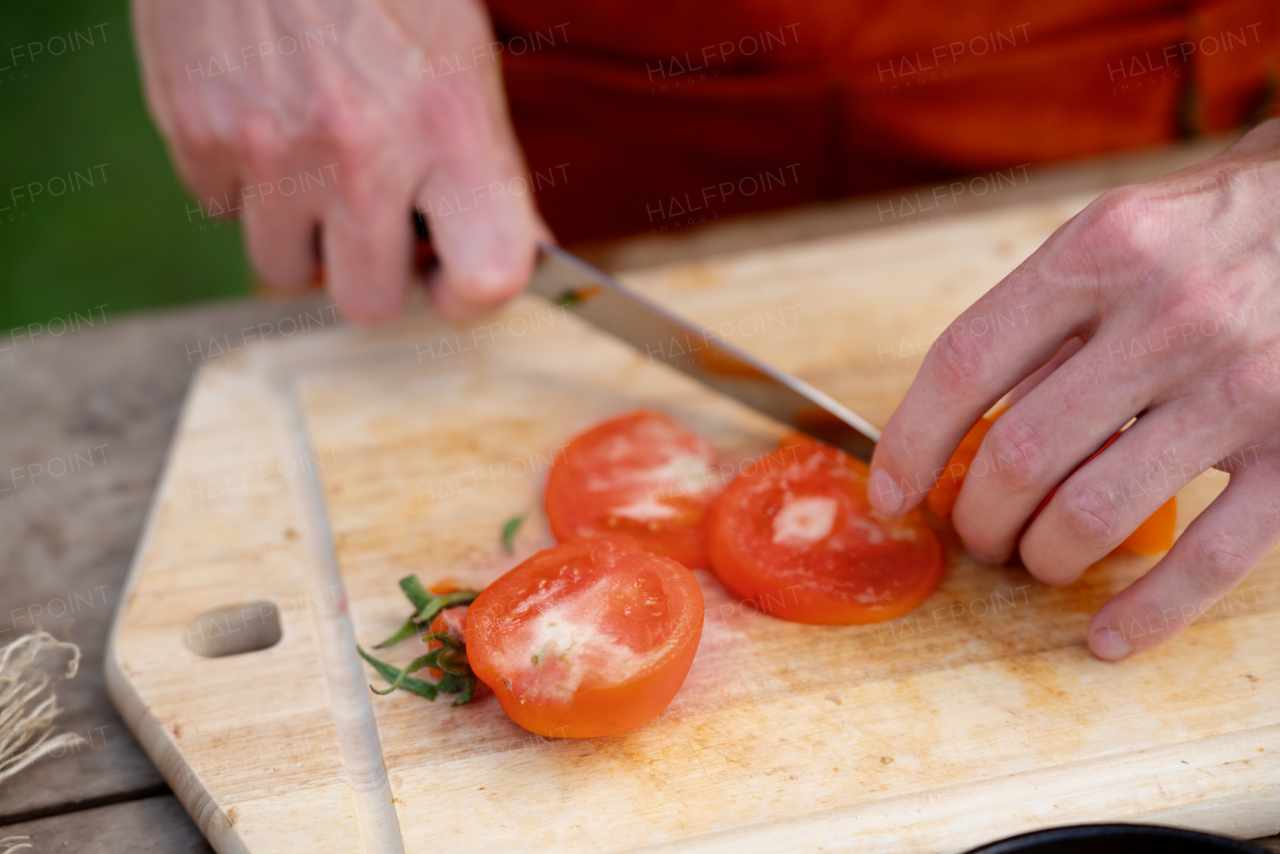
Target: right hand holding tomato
{"points": [[1155, 303]]}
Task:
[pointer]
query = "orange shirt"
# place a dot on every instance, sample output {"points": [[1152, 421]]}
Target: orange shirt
{"points": [[662, 115]]}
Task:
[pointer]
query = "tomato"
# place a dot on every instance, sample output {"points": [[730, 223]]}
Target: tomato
{"points": [[942, 498], [592, 637], [1153, 536], [796, 534], [641, 474], [445, 638]]}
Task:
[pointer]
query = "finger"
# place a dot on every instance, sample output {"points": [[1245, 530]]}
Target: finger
{"points": [[1038, 443], [1004, 337], [208, 169], [279, 224], [202, 157], [202, 162], [1109, 497], [280, 238], [367, 247], [147, 19], [484, 227], [1211, 557], [1024, 388]]}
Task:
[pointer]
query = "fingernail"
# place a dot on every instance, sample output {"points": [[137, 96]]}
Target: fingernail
{"points": [[884, 494], [1109, 644]]}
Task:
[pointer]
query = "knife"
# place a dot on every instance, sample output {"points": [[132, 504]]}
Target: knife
{"points": [[669, 339]]}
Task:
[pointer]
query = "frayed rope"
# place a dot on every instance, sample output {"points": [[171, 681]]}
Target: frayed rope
{"points": [[28, 705]]}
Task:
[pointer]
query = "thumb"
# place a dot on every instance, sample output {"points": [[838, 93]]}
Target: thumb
{"points": [[484, 228]]}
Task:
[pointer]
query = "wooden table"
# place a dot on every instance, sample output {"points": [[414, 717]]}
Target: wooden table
{"points": [[111, 393]]}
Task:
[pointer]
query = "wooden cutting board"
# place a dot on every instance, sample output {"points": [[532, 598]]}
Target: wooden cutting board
{"points": [[307, 477]]}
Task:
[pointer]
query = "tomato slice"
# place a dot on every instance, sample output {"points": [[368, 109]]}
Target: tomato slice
{"points": [[641, 474], [796, 534], [592, 637], [1153, 536]]}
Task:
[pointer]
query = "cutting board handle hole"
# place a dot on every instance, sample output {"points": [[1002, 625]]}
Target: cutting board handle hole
{"points": [[234, 629]]}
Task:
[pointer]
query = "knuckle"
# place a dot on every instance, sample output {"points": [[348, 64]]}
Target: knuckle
{"points": [[959, 361], [261, 143], [1016, 452], [1130, 222], [348, 133], [1068, 268], [988, 544], [1090, 514], [195, 127], [197, 139], [1268, 131], [1223, 559], [354, 142], [1249, 381], [1193, 301]]}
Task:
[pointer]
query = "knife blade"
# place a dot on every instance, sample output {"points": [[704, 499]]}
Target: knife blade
{"points": [[669, 339]]}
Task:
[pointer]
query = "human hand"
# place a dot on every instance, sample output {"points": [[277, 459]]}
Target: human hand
{"points": [[1157, 301], [326, 116]]}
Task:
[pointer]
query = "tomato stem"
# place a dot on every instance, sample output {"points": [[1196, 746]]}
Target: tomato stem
{"points": [[421, 687], [418, 595], [403, 632], [450, 657], [444, 638], [458, 680], [428, 606], [436, 604]]}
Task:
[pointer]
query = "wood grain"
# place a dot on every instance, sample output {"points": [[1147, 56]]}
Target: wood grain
{"points": [[156, 825], [980, 715]]}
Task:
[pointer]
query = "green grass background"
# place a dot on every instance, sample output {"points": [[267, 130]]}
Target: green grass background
{"points": [[128, 242]]}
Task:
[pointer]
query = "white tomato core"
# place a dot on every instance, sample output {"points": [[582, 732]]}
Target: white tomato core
{"points": [[645, 510], [802, 521]]}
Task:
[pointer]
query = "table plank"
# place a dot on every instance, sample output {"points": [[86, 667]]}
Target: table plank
{"points": [[84, 428], [157, 825]]}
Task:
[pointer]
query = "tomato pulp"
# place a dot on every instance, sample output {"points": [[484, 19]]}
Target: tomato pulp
{"points": [[592, 637], [641, 474], [796, 534]]}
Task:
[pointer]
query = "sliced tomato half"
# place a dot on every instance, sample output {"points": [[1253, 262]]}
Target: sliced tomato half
{"points": [[592, 637], [796, 534], [641, 474]]}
